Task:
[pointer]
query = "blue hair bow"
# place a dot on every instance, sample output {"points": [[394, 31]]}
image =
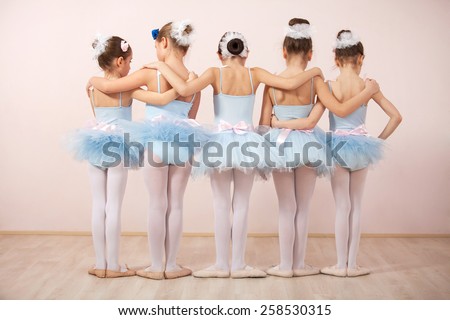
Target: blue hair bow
{"points": [[155, 33]]}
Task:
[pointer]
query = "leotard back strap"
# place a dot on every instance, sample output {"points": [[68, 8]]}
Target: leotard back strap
{"points": [[93, 103]]}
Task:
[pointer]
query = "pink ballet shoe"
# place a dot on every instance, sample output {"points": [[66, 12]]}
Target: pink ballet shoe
{"points": [[334, 271], [99, 273], [211, 272], [275, 271], [306, 271], [118, 274], [248, 272], [357, 271], [183, 272], [154, 275]]}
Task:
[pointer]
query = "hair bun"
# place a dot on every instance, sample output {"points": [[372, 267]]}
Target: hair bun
{"points": [[346, 39], [297, 38], [235, 46], [295, 21]]}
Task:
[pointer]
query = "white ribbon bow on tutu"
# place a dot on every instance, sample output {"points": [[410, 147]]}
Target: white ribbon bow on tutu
{"points": [[358, 131], [239, 128]]}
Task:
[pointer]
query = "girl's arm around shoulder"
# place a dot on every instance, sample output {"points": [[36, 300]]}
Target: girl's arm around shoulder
{"points": [[181, 86], [343, 109], [154, 98], [135, 80], [263, 76], [395, 118]]}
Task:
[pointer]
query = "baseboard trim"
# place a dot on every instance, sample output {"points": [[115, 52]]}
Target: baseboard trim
{"points": [[207, 234]]}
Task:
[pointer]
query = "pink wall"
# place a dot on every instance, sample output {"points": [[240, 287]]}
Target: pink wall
{"points": [[46, 61]]}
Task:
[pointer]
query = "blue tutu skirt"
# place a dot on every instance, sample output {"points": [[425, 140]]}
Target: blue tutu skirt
{"points": [[296, 148], [103, 145], [354, 152], [172, 140], [226, 150]]}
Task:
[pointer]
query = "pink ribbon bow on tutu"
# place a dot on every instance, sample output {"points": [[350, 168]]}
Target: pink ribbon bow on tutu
{"points": [[161, 117], [358, 131], [101, 126], [239, 128], [285, 133]]}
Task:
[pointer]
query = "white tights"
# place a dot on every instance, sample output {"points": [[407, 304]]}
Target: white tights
{"points": [[348, 187], [236, 230], [294, 190], [165, 186], [108, 189]]}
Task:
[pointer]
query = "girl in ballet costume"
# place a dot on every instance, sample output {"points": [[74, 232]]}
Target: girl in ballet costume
{"points": [[234, 92], [358, 152], [167, 169], [303, 153], [108, 177]]}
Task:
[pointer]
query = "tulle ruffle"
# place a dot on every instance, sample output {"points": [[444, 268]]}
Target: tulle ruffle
{"points": [[225, 150], [355, 152], [103, 145], [172, 140], [296, 148]]}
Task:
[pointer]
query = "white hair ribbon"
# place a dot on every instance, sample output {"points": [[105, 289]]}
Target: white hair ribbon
{"points": [[346, 39], [177, 32], [300, 31], [100, 47]]}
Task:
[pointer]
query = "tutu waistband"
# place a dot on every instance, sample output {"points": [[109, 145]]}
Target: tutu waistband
{"points": [[358, 131], [175, 120], [284, 133]]}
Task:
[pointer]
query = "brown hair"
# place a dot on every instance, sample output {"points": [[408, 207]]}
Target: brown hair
{"points": [[165, 32], [348, 54], [297, 46], [112, 51]]}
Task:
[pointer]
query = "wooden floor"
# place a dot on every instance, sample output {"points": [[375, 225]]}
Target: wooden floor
{"points": [[55, 267]]}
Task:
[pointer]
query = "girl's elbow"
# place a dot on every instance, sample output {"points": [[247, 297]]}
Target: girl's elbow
{"points": [[106, 89], [290, 87], [311, 125], [183, 92], [398, 118], [340, 114]]}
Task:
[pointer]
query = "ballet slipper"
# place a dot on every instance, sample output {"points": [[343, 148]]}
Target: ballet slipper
{"points": [[248, 272], [211, 272], [100, 273], [357, 271], [183, 272], [275, 271], [334, 271], [120, 273], [306, 271], [154, 275]]}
